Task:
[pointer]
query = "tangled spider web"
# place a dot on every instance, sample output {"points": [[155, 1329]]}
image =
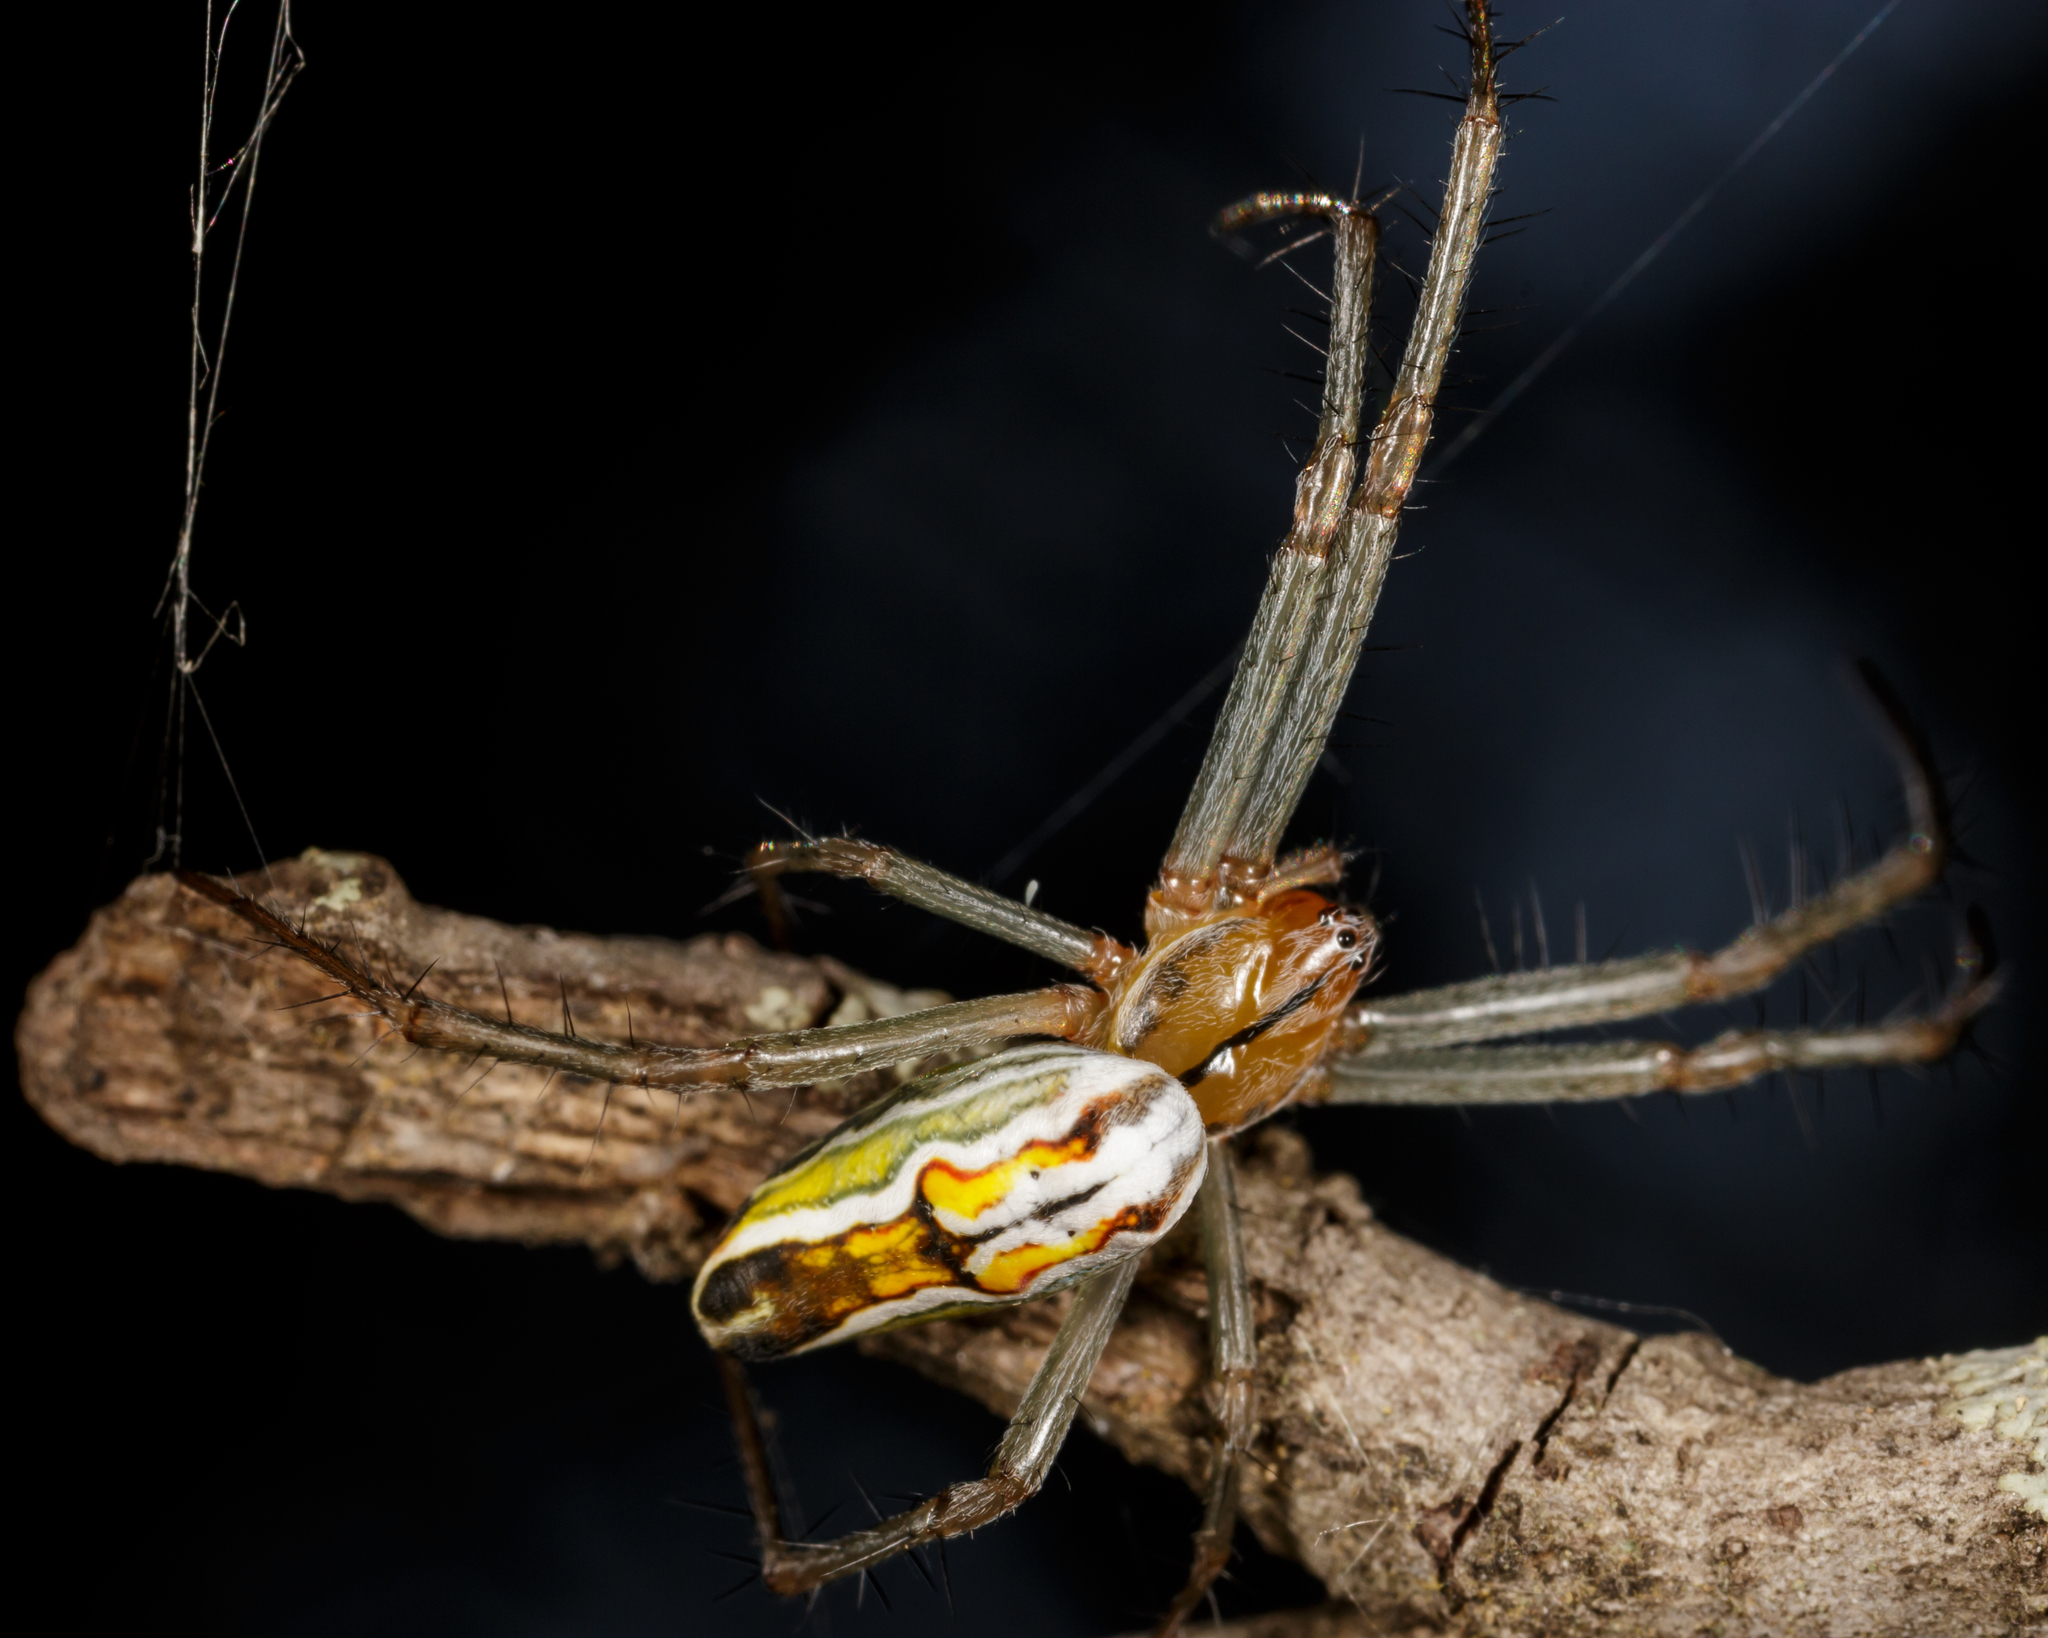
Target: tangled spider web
{"points": [[223, 198]]}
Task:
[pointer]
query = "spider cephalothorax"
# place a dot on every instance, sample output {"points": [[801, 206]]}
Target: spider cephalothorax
{"points": [[1243, 1005]]}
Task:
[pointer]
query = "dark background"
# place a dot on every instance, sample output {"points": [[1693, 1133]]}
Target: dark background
{"points": [[631, 420]]}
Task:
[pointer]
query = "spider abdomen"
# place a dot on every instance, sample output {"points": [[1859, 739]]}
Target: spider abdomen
{"points": [[989, 1183]]}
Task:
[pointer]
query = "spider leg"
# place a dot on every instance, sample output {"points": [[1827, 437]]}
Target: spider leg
{"points": [[1324, 584], [1319, 866], [1323, 677], [1584, 1071], [1021, 1464], [1525, 1003], [793, 1058], [1096, 955], [1301, 571], [1233, 1355]]}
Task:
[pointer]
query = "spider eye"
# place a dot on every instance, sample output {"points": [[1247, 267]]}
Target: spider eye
{"points": [[1346, 939]]}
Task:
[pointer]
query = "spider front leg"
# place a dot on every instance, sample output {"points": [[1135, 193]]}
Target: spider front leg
{"points": [[1326, 578], [1233, 1356], [1298, 586], [1021, 1464]]}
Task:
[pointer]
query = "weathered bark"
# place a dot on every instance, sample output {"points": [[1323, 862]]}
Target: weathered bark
{"points": [[1444, 1454]]}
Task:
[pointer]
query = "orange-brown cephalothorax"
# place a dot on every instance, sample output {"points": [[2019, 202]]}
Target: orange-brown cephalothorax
{"points": [[1242, 1006]]}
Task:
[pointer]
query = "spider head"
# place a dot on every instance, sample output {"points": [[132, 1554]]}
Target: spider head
{"points": [[1242, 1007]]}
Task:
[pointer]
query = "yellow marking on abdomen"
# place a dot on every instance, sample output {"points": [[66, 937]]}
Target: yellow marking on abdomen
{"points": [[1009, 1272], [969, 1194], [887, 1260]]}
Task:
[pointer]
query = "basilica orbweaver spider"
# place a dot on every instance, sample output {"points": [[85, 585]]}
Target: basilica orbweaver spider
{"points": [[1108, 1106]]}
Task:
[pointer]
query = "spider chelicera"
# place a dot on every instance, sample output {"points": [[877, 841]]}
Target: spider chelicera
{"points": [[1110, 1107]]}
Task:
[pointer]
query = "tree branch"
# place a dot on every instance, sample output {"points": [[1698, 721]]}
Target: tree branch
{"points": [[1445, 1454]]}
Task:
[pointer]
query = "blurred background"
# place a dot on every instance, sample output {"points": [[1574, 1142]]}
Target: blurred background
{"points": [[635, 419]]}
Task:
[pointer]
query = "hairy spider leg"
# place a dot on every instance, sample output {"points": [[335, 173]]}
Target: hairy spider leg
{"points": [[1094, 955], [1233, 1356], [1326, 579], [1583, 1071], [1021, 1464], [1298, 582], [791, 1058], [1601, 992]]}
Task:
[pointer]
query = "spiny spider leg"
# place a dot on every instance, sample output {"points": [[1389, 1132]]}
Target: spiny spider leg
{"points": [[1582, 1071], [795, 1058], [1022, 1460], [1323, 676], [1303, 567], [1325, 581], [1096, 955], [1529, 1003], [1233, 1356], [1318, 866]]}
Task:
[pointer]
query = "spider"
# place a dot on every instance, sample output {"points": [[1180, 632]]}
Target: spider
{"points": [[1053, 1164]]}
